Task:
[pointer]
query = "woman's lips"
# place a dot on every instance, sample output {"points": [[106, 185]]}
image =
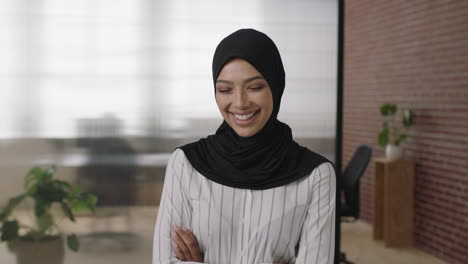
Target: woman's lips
{"points": [[244, 122]]}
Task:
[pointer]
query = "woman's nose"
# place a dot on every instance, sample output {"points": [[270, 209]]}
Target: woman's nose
{"points": [[241, 99]]}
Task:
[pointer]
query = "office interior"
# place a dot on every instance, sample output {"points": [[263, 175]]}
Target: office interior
{"points": [[105, 90]]}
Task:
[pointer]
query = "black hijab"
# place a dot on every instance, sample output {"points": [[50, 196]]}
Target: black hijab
{"points": [[271, 157]]}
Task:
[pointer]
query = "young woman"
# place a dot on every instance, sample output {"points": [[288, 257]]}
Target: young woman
{"points": [[249, 193]]}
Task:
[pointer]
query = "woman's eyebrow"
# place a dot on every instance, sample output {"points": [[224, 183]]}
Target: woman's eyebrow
{"points": [[252, 79], [245, 81]]}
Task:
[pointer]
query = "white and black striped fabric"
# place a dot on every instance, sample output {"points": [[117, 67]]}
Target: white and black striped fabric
{"points": [[294, 223]]}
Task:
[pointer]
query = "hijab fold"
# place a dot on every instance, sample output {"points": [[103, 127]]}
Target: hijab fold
{"points": [[268, 159]]}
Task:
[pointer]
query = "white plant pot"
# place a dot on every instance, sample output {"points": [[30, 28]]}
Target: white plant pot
{"points": [[393, 152]]}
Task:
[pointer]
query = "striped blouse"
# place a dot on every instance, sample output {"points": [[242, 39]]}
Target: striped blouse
{"points": [[294, 223]]}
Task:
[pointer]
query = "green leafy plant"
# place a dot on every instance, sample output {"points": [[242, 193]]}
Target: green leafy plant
{"points": [[393, 133], [46, 193]]}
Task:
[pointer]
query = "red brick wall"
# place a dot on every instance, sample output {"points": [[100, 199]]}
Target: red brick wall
{"points": [[414, 53]]}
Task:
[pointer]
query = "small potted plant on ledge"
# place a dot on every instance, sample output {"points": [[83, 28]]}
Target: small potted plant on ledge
{"points": [[42, 241], [392, 134]]}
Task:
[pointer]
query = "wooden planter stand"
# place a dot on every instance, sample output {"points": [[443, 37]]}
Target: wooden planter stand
{"points": [[394, 202]]}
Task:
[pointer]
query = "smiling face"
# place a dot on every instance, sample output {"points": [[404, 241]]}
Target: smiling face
{"points": [[243, 97]]}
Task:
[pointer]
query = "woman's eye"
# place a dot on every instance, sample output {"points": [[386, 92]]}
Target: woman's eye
{"points": [[224, 90], [256, 88]]}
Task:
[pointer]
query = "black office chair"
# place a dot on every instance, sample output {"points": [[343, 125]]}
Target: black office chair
{"points": [[350, 187]]}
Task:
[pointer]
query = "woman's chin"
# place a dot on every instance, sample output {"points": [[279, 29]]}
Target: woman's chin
{"points": [[243, 132]]}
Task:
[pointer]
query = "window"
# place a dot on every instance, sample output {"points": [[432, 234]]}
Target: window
{"points": [[148, 64]]}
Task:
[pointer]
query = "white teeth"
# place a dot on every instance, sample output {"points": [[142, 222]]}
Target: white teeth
{"points": [[244, 117]]}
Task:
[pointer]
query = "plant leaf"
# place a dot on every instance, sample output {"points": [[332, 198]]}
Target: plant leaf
{"points": [[383, 137], [38, 175], [63, 186], [83, 201], [52, 191], [73, 242], [68, 212], [12, 203], [407, 117], [92, 200], [40, 207], [44, 223], [388, 109], [9, 230], [30, 180]]}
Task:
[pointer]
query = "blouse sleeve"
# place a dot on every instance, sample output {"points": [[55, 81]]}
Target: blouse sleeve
{"points": [[174, 209], [317, 240]]}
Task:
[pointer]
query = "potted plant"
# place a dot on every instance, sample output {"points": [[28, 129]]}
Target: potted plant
{"points": [[42, 241], [392, 133]]}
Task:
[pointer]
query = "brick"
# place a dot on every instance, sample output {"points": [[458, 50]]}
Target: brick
{"points": [[415, 54]]}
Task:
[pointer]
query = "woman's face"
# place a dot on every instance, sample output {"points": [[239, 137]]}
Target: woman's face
{"points": [[243, 97]]}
